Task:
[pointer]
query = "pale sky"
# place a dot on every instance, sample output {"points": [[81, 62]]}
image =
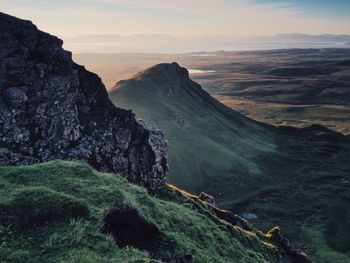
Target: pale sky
{"points": [[184, 17]]}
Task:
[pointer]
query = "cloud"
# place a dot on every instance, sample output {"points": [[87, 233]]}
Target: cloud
{"points": [[208, 7], [175, 17]]}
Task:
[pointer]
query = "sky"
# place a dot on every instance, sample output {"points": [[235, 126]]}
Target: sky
{"points": [[67, 18]]}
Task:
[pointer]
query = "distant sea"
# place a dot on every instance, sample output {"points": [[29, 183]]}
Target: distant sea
{"points": [[171, 48]]}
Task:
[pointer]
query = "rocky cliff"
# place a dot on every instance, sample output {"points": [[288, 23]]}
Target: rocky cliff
{"points": [[52, 108]]}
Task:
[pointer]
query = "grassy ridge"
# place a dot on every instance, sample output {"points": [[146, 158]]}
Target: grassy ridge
{"points": [[297, 179], [204, 141], [52, 212]]}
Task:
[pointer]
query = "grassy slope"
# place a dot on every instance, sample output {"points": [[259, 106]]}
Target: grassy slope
{"points": [[208, 143], [295, 179], [52, 212]]}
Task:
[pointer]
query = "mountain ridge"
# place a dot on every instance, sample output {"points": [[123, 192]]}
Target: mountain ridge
{"points": [[249, 167], [152, 37], [171, 80]]}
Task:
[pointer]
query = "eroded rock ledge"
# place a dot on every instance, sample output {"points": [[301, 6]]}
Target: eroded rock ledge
{"points": [[52, 108]]}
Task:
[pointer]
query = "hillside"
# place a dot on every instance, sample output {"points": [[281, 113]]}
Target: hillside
{"points": [[194, 123], [298, 178], [68, 212]]}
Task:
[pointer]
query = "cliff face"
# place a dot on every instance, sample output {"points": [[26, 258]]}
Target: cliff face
{"points": [[52, 108]]}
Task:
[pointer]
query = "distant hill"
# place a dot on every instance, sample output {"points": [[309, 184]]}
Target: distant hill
{"points": [[296, 177], [198, 127]]}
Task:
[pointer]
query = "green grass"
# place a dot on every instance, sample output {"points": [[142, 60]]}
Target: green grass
{"points": [[35, 206], [285, 177], [53, 212], [212, 141]]}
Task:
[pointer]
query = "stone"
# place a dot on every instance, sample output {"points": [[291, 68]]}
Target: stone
{"points": [[207, 198], [52, 108]]}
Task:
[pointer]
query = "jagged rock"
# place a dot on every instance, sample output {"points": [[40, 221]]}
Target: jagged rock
{"points": [[52, 108], [207, 198]]}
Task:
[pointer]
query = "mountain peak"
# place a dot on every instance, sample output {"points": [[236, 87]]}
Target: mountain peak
{"points": [[173, 70], [169, 78]]}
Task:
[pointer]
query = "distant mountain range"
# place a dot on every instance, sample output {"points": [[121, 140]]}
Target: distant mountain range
{"points": [[304, 38], [291, 38], [163, 43]]}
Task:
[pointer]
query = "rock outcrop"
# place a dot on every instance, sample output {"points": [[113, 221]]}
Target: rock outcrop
{"points": [[52, 108], [207, 198]]}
